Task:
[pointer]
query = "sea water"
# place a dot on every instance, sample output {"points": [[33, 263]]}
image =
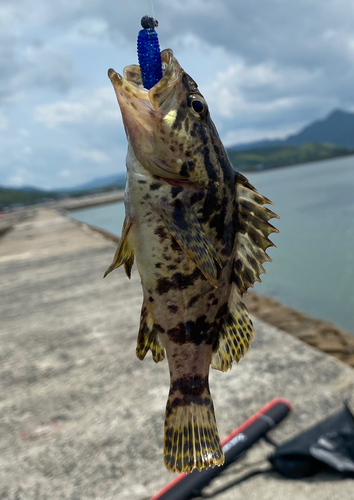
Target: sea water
{"points": [[313, 268]]}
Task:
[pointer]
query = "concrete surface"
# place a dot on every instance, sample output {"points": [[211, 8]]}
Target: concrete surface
{"points": [[82, 418]]}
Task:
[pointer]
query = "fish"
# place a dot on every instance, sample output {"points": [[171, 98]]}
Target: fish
{"points": [[198, 231]]}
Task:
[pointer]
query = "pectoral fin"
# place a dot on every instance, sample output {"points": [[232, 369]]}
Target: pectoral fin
{"points": [[124, 253], [184, 226]]}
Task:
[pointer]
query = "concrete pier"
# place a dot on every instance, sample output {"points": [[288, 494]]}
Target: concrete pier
{"points": [[82, 418], [91, 200]]}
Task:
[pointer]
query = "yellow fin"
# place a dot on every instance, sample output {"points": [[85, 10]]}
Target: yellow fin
{"points": [[184, 226], [124, 253], [235, 335], [149, 336], [191, 436], [128, 264], [252, 237]]}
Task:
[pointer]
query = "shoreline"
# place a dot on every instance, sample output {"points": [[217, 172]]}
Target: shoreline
{"points": [[69, 204], [315, 332]]}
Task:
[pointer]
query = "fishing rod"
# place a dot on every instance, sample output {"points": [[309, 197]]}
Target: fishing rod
{"points": [[187, 486]]}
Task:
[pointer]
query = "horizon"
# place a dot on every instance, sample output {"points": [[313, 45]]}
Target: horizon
{"points": [[264, 73], [252, 145]]}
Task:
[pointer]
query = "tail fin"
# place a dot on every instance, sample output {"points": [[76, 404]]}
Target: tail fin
{"points": [[191, 436]]}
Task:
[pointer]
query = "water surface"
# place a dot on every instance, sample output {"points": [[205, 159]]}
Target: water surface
{"points": [[313, 268]]}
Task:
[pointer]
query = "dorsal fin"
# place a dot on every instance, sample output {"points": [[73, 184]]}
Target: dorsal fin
{"points": [[252, 235]]}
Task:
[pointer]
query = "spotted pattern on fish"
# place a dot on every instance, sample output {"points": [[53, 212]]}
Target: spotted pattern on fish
{"points": [[198, 231]]}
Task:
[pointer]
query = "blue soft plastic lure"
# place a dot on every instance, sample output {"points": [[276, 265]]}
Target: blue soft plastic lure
{"points": [[149, 53]]}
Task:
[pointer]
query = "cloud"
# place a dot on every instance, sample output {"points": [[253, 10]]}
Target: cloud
{"points": [[28, 62], [265, 68], [8, 67], [18, 178], [266, 100], [99, 107], [253, 93], [3, 122], [89, 30], [245, 135], [285, 31], [94, 155], [64, 173], [47, 67]]}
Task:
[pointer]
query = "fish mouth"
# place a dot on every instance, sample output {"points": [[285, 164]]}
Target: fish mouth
{"points": [[130, 86], [148, 114]]}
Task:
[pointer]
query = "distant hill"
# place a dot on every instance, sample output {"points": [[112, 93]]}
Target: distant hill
{"points": [[12, 197], [327, 138], [98, 182], [27, 196], [336, 128], [282, 156]]}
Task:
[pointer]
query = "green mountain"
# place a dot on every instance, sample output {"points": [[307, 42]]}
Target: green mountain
{"points": [[98, 182], [330, 137], [336, 128], [29, 196], [281, 156], [11, 197]]}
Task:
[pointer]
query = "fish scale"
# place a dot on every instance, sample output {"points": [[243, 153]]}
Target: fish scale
{"points": [[198, 232]]}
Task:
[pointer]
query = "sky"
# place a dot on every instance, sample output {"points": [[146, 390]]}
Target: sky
{"points": [[265, 67]]}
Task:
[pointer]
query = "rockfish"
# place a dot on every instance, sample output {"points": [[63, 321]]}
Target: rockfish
{"points": [[198, 231]]}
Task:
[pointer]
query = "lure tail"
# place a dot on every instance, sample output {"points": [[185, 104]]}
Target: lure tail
{"points": [[191, 436], [149, 53]]}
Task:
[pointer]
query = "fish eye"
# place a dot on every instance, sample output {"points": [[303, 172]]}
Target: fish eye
{"points": [[197, 105]]}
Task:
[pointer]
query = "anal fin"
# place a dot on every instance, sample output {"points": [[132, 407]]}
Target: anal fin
{"points": [[235, 336], [149, 337], [124, 253]]}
